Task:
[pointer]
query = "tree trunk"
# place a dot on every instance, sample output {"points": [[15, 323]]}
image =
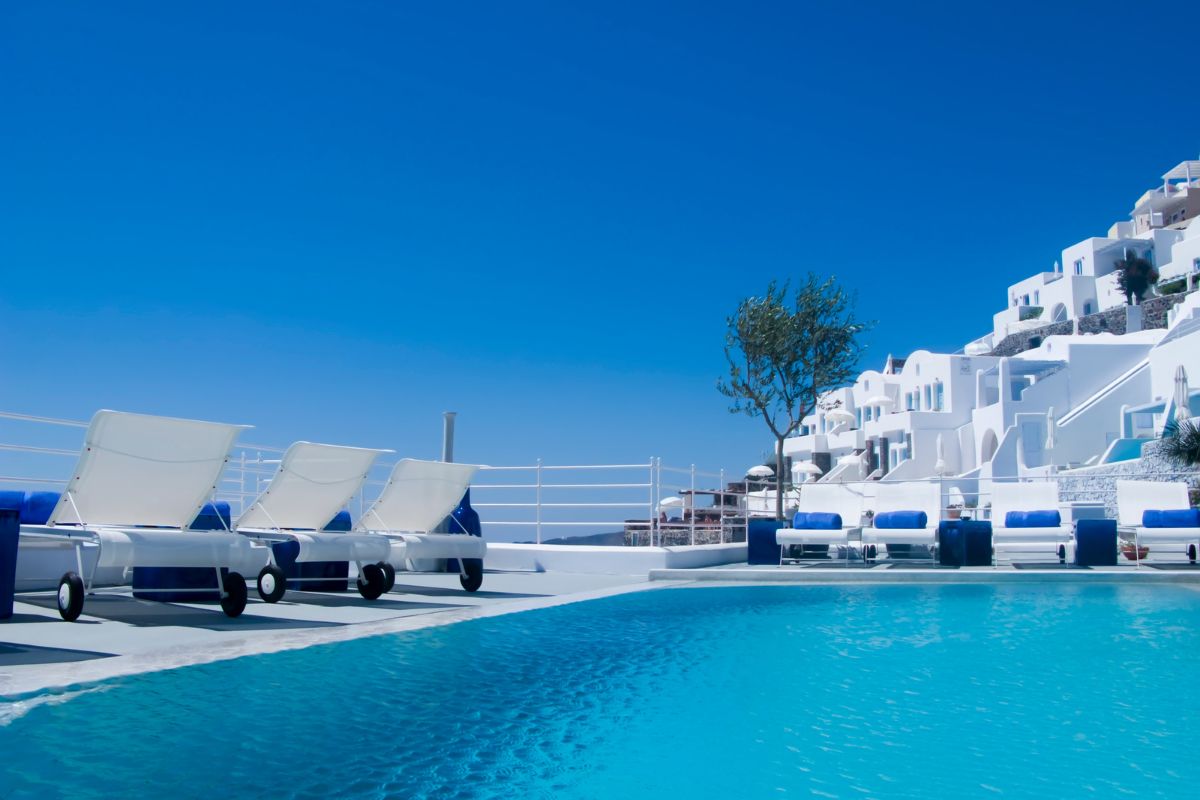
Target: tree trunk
{"points": [[779, 479]]}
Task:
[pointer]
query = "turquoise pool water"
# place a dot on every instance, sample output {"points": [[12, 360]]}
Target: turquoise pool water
{"points": [[889, 692]]}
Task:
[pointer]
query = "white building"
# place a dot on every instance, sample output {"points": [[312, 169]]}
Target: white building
{"points": [[1083, 282], [976, 415]]}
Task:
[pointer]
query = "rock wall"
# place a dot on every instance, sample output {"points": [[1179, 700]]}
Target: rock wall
{"points": [[1154, 315], [1100, 483]]}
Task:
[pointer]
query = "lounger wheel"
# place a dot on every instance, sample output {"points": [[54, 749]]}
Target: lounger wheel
{"points": [[70, 597], [272, 584], [1191, 553], [1062, 554], [389, 576], [234, 601], [471, 576], [371, 582]]}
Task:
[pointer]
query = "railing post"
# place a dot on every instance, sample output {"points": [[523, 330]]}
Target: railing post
{"points": [[692, 500], [652, 518], [538, 502], [721, 503]]}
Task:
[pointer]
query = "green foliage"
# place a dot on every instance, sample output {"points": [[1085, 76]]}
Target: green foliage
{"points": [[1173, 286], [1181, 443], [1030, 312], [1135, 276], [786, 349]]}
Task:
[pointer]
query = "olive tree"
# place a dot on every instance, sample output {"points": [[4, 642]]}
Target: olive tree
{"points": [[785, 350]]}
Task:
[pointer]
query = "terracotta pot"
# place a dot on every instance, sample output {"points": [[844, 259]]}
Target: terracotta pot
{"points": [[1142, 552]]}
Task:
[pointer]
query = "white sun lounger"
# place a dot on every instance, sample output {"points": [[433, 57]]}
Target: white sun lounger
{"points": [[829, 498], [140, 481], [312, 484], [1042, 496], [1134, 498], [911, 496], [417, 497]]}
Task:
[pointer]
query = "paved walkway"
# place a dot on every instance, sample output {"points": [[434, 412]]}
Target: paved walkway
{"points": [[120, 635]]}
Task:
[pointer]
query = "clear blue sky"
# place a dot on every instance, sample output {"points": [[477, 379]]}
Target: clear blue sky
{"points": [[336, 220]]}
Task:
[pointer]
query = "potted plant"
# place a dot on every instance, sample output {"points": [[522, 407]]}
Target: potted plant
{"points": [[1133, 552]]}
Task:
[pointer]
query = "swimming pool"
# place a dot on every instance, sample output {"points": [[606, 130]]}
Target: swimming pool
{"points": [[886, 691]]}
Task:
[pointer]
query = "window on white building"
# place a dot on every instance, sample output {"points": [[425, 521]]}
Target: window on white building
{"points": [[1037, 298], [928, 397], [1087, 307], [939, 397], [908, 401], [1196, 265], [1079, 266]]}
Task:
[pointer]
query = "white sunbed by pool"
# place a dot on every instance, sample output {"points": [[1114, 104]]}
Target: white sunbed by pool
{"points": [[311, 485], [828, 498], [909, 496], [1135, 498], [417, 497], [139, 482], [1015, 497]]}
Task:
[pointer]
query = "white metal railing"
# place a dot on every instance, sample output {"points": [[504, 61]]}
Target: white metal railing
{"points": [[539, 498]]}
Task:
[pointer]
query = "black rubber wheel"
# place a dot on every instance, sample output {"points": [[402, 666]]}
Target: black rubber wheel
{"points": [[371, 582], [471, 576], [1191, 552], [389, 576], [234, 601], [1062, 554], [272, 584], [70, 597]]}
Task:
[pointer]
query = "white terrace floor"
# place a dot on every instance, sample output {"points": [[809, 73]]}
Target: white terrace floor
{"points": [[120, 635]]}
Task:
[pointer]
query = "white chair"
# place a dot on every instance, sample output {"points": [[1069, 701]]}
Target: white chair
{"points": [[417, 497], [140, 481], [909, 496], [829, 498], [1134, 498], [1041, 496], [312, 484]]}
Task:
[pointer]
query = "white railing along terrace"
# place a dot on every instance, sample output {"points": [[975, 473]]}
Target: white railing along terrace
{"points": [[525, 502]]}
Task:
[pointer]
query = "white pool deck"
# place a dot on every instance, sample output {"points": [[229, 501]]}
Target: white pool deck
{"points": [[119, 635]]}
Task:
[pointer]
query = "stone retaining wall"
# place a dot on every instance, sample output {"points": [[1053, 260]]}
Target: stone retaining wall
{"points": [[1095, 484], [1154, 315]]}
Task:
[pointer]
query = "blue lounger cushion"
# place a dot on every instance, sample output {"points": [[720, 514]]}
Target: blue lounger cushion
{"points": [[1171, 518], [896, 520], [213, 517], [1032, 519], [816, 521], [38, 507], [341, 523]]}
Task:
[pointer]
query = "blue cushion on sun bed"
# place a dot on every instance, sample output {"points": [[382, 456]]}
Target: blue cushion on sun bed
{"points": [[38, 507], [1032, 519], [816, 521], [213, 517], [901, 519], [1171, 518], [341, 522]]}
